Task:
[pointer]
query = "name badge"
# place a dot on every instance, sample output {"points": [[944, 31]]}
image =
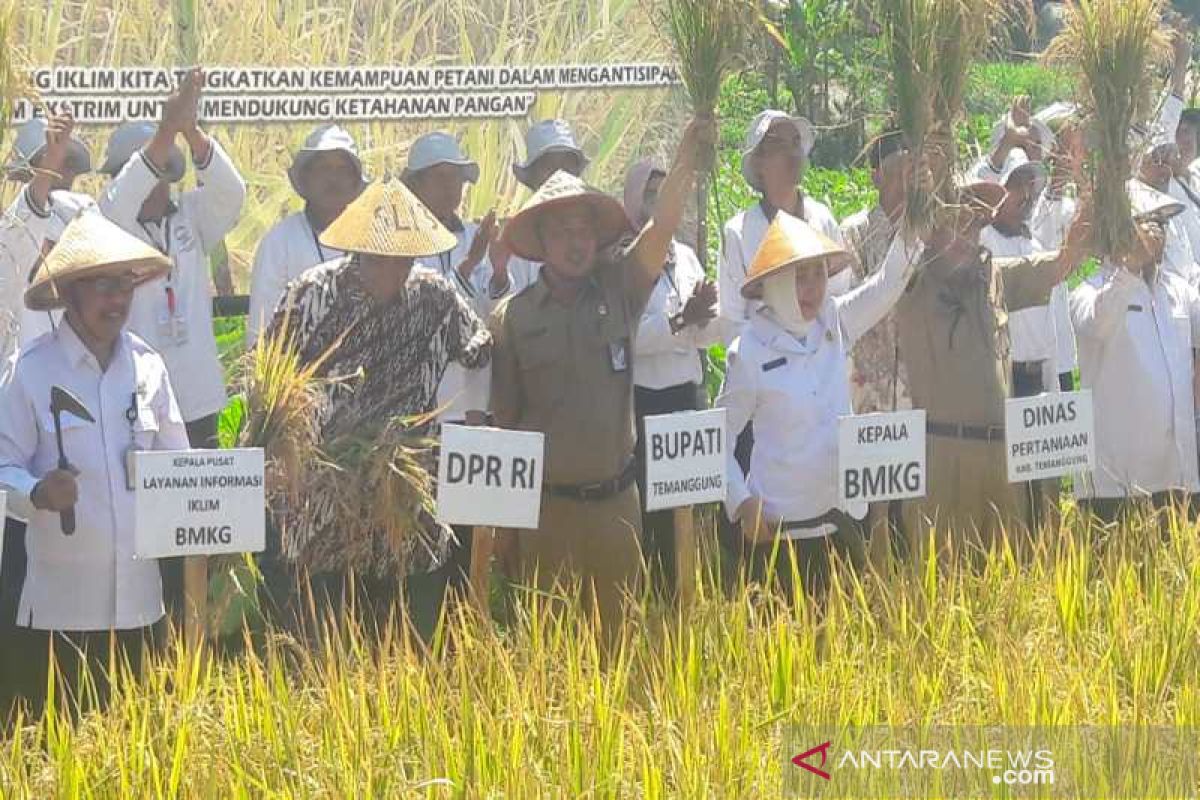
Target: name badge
{"points": [[618, 355]]}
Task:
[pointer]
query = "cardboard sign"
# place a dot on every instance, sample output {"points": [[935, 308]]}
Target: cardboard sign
{"points": [[1049, 436], [198, 502], [881, 457], [488, 476], [685, 459]]}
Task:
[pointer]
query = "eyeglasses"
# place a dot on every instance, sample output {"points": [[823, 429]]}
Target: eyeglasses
{"points": [[112, 284]]}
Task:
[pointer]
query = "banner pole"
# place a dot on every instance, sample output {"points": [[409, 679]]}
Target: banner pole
{"points": [[685, 554], [195, 601], [482, 543]]}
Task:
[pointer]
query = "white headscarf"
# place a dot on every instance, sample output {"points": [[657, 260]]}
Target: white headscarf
{"points": [[779, 296]]}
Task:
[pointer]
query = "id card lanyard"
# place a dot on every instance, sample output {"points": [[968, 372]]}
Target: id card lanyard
{"points": [[171, 297]]}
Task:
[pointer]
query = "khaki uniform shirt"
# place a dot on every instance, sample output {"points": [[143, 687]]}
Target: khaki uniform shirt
{"points": [[953, 328], [567, 371]]}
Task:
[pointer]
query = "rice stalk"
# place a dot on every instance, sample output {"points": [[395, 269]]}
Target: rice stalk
{"points": [[930, 45], [281, 400], [1115, 48], [383, 482], [706, 36]]}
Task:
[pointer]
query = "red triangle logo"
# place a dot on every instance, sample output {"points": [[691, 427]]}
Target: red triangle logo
{"points": [[802, 760]]}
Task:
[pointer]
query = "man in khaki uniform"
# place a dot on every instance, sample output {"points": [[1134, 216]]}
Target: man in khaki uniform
{"points": [[953, 330], [562, 365]]}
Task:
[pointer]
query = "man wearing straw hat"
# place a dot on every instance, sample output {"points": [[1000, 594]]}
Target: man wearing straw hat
{"points": [[85, 591], [953, 327], [47, 157], [173, 313], [562, 366], [550, 146], [327, 174], [382, 335]]}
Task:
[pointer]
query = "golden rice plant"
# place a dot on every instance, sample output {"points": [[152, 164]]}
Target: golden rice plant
{"points": [[931, 45], [281, 397], [706, 36], [1115, 48], [383, 479]]}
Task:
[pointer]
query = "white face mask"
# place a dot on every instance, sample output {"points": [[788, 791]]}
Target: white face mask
{"points": [[779, 295]]}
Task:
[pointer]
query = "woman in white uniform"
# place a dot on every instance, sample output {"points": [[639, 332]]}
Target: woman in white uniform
{"points": [[788, 376]]}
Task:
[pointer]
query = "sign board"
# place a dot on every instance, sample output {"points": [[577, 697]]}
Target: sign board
{"points": [[1049, 436], [685, 459], [881, 457], [488, 476], [198, 502]]}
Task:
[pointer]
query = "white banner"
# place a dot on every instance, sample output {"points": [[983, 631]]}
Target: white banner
{"points": [[1050, 435], [198, 502], [881, 457], [685, 459], [488, 476]]}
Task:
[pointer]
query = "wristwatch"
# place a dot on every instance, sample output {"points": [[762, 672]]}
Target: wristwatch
{"points": [[676, 322]]}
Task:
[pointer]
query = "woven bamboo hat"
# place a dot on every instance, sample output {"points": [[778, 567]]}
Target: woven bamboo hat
{"points": [[91, 247], [388, 220], [561, 190], [792, 242]]}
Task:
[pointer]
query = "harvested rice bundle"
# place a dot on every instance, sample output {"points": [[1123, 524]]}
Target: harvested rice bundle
{"points": [[1115, 48], [706, 35]]}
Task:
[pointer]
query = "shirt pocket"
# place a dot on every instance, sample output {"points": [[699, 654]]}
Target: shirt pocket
{"points": [[145, 428], [541, 358]]}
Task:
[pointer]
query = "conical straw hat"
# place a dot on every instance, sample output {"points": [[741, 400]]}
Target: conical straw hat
{"points": [[792, 242], [563, 190], [388, 220], [90, 247]]}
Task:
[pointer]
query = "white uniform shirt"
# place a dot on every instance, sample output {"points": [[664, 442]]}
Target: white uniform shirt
{"points": [[24, 235], [1187, 222], [743, 235], [1052, 217], [285, 252], [794, 391], [663, 359], [203, 217], [88, 581], [1041, 333], [461, 389], [1135, 354]]}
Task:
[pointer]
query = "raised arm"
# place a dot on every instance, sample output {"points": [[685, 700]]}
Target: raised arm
{"points": [[649, 251], [863, 307], [1097, 311]]}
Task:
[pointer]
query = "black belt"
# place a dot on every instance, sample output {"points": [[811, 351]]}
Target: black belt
{"points": [[834, 516], [595, 492], [1032, 369], [983, 433]]}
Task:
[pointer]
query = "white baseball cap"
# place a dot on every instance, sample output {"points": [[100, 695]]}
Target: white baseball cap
{"points": [[758, 129], [1022, 165], [30, 141], [547, 136], [328, 138], [130, 137], [439, 148]]}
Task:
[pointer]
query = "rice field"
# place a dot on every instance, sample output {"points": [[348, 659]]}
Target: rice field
{"points": [[689, 703]]}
